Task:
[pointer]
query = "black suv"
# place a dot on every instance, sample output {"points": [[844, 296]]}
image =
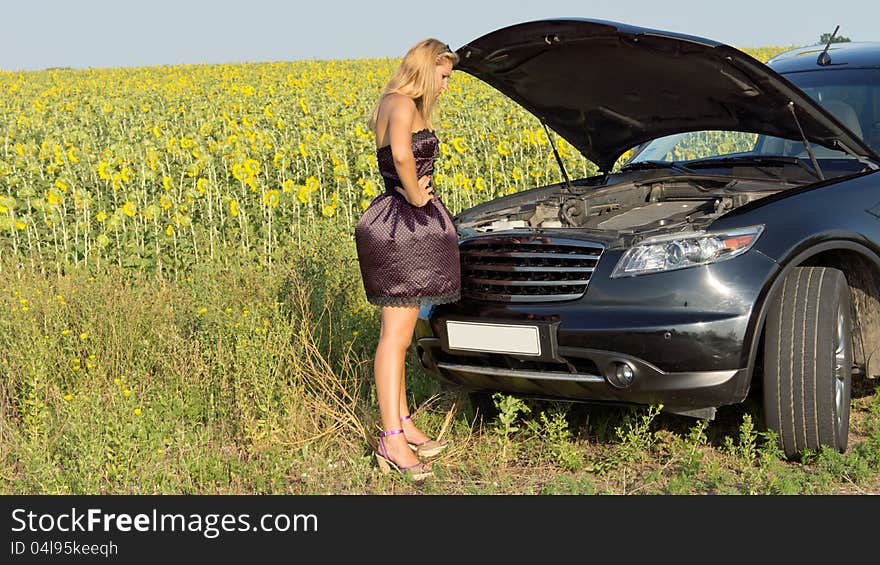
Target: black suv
{"points": [[732, 236]]}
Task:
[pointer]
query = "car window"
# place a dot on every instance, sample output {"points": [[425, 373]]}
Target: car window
{"points": [[851, 95], [697, 145]]}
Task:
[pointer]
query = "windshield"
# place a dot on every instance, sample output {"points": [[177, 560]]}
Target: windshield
{"points": [[851, 95]]}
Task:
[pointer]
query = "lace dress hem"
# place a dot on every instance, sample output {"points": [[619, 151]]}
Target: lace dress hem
{"points": [[413, 300]]}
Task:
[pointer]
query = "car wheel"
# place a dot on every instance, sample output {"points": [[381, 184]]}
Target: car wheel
{"points": [[808, 361], [483, 405]]}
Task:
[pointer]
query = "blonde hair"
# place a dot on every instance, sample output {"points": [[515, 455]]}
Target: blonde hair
{"points": [[416, 77]]}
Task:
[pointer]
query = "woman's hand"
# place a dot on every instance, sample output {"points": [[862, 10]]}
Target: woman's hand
{"points": [[426, 193]]}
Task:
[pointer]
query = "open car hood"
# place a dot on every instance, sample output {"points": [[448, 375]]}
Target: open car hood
{"points": [[607, 87]]}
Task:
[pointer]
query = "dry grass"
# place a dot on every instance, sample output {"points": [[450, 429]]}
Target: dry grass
{"points": [[237, 380]]}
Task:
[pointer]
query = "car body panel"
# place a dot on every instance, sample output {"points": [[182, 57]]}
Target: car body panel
{"points": [[690, 337], [856, 54], [697, 321], [607, 87], [803, 217], [608, 324]]}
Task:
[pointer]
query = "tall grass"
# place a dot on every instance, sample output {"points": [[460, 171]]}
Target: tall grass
{"points": [[181, 309], [119, 382], [256, 379]]}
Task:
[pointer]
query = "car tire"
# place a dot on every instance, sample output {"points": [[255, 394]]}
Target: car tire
{"points": [[808, 361]]}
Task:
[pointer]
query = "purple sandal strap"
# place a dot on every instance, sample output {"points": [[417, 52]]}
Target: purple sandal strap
{"points": [[419, 464], [405, 418], [384, 452]]}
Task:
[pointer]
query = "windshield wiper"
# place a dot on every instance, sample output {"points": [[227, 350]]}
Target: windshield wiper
{"points": [[753, 160], [646, 165], [860, 158]]}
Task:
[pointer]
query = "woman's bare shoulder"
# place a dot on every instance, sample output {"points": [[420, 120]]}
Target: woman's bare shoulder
{"points": [[400, 102]]}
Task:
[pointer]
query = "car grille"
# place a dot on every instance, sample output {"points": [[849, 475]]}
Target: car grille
{"points": [[527, 269]]}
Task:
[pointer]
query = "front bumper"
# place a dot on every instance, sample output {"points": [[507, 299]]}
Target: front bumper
{"points": [[686, 337], [584, 380]]}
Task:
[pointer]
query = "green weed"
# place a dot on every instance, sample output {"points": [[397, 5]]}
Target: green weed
{"points": [[234, 379]]}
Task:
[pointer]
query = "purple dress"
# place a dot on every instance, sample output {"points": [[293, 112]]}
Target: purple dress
{"points": [[408, 255]]}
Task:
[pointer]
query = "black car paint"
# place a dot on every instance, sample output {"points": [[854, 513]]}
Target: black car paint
{"points": [[586, 79], [691, 335], [680, 329]]}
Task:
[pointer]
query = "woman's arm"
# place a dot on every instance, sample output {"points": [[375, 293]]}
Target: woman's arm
{"points": [[401, 116]]}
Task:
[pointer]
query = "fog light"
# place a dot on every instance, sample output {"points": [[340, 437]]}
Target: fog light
{"points": [[623, 375]]}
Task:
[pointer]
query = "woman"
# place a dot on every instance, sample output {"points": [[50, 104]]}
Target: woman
{"points": [[406, 243]]}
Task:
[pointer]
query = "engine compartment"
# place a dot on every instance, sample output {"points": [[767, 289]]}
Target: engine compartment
{"points": [[645, 206]]}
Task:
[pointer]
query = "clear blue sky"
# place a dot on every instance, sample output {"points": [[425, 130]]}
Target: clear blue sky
{"points": [[124, 33]]}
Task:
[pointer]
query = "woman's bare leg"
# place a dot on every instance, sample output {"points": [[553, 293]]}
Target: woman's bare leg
{"points": [[395, 336], [413, 434]]}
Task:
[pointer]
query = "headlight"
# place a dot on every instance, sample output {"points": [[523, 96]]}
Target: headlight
{"points": [[678, 252]]}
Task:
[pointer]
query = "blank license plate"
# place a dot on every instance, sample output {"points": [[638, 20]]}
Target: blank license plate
{"points": [[494, 338]]}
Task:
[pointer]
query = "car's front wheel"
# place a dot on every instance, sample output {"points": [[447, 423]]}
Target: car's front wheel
{"points": [[808, 361]]}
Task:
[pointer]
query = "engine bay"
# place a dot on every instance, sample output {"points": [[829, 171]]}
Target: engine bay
{"points": [[670, 204]]}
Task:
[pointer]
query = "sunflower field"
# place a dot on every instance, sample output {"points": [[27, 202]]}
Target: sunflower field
{"points": [[181, 307], [161, 168]]}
